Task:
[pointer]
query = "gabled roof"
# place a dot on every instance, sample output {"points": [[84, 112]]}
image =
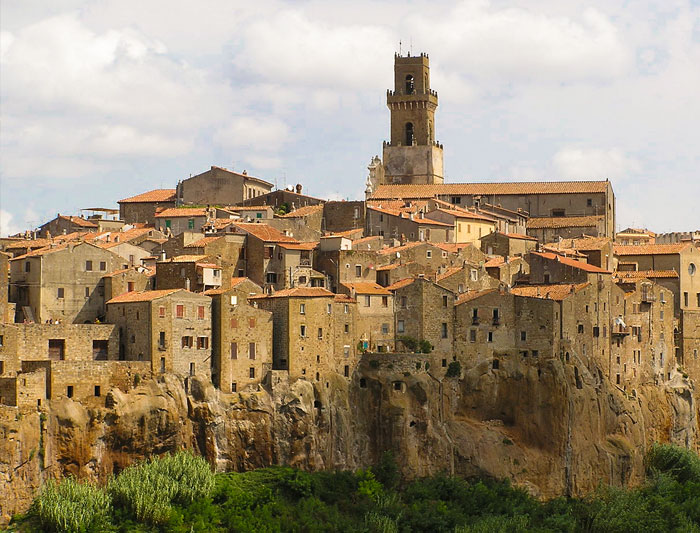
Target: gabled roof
{"points": [[142, 296], [78, 221], [466, 189], [447, 273], [401, 248], [264, 232], [520, 236], [548, 292], [297, 292], [298, 245], [581, 243], [400, 284], [650, 249], [304, 211], [204, 241], [174, 212], [632, 275], [564, 222], [452, 247], [571, 262], [472, 295], [186, 259], [461, 213], [367, 287], [156, 195]]}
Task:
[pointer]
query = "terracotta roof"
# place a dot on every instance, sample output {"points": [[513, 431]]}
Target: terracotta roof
{"points": [[650, 249], [548, 292], [248, 207], [186, 259], [519, 188], [452, 247], [142, 296], [392, 266], [394, 249], [298, 292], [472, 295], [156, 195], [264, 232], [564, 222], [520, 236], [582, 243], [347, 233], [447, 273], [201, 243], [460, 213], [174, 212], [298, 245], [78, 221], [571, 262], [367, 287], [208, 265], [365, 239], [304, 211], [246, 176], [495, 261], [564, 252], [344, 298], [639, 274], [636, 232], [405, 282]]}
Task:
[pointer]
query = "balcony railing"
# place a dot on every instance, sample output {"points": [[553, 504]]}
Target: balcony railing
{"points": [[496, 321], [620, 330], [475, 321]]}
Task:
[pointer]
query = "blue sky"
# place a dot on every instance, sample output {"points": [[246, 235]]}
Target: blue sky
{"points": [[105, 99]]}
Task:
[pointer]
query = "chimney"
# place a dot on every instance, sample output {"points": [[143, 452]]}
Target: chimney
{"points": [[187, 284], [162, 255]]}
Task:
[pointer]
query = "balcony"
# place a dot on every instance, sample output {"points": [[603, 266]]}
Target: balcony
{"points": [[620, 330], [475, 321], [496, 321]]}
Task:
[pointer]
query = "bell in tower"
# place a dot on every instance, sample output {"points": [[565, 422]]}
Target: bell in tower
{"points": [[412, 156]]}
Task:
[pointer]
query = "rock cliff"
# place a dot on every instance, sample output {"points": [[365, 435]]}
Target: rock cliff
{"points": [[554, 428]]}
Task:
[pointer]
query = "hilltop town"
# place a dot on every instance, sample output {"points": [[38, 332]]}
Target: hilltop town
{"points": [[225, 289]]}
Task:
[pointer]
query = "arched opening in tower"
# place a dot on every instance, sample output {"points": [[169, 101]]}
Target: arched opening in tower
{"points": [[409, 84], [409, 134]]}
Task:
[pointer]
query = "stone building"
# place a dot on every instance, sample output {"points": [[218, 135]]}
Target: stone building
{"points": [[310, 215], [412, 155], [191, 272], [220, 186], [562, 199], [241, 340], [549, 229], [343, 216], [507, 244], [424, 310], [375, 315], [63, 282], [175, 220], [635, 237], [303, 339], [467, 277], [684, 258], [169, 328], [597, 251], [5, 306], [287, 198], [228, 251], [507, 270], [128, 280], [142, 208], [391, 223]]}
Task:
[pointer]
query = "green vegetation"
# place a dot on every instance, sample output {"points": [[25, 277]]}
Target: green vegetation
{"points": [[179, 494], [454, 370]]}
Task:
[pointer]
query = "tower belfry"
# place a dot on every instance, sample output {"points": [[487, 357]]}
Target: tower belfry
{"points": [[412, 156]]}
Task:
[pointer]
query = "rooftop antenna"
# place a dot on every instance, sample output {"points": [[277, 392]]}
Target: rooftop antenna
{"points": [[399, 46], [410, 45]]}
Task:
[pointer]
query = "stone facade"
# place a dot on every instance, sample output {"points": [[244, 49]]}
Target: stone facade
{"points": [[375, 315], [507, 245], [220, 186]]}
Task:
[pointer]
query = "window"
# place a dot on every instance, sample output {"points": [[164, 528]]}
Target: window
{"points": [[385, 329], [558, 212], [251, 323], [346, 309], [347, 328], [302, 309], [87, 292], [367, 301], [234, 323], [472, 335], [69, 391], [180, 311], [60, 293], [251, 350], [2, 367], [202, 343], [27, 266], [410, 84], [251, 372], [474, 275], [168, 223], [443, 330], [589, 202], [385, 301], [103, 266], [685, 299], [444, 300], [187, 342], [234, 386], [400, 325], [580, 328], [234, 300], [358, 271], [403, 302], [320, 333], [88, 266], [429, 254], [234, 350], [268, 252], [302, 331], [191, 370], [161, 340], [596, 331], [328, 308], [271, 277], [489, 337], [523, 335], [535, 353], [409, 133], [692, 269], [57, 349], [661, 315], [346, 371], [200, 312], [162, 365], [190, 223]]}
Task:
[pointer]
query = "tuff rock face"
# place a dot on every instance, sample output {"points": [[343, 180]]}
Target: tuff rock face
{"points": [[540, 426]]}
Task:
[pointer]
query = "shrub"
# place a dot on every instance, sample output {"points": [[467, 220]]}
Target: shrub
{"points": [[387, 471], [681, 464], [409, 343], [148, 490], [454, 369], [368, 485], [425, 346], [70, 506]]}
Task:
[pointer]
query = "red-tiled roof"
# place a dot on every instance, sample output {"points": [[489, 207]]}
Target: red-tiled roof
{"points": [[571, 262], [142, 296], [472, 295], [453, 247], [400, 284], [174, 212], [461, 213], [186, 259], [394, 249], [264, 232], [564, 222], [304, 211], [298, 245], [156, 195], [520, 236], [78, 221], [582, 243], [650, 249], [204, 241], [447, 273], [297, 292], [367, 287], [519, 188], [631, 275], [548, 292]]}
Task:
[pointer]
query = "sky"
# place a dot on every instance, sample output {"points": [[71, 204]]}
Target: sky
{"points": [[104, 99]]}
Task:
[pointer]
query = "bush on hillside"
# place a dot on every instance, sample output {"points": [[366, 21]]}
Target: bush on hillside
{"points": [[72, 507]]}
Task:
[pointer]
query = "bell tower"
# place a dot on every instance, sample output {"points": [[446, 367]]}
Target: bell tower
{"points": [[412, 156]]}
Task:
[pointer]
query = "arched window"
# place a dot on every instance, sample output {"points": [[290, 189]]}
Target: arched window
{"points": [[409, 84], [409, 134]]}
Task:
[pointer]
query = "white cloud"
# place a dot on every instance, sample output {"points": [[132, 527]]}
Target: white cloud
{"points": [[593, 163], [7, 226]]}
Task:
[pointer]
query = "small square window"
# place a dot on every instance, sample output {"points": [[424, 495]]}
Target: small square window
{"points": [[88, 266], [103, 266], [523, 335], [60, 293]]}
